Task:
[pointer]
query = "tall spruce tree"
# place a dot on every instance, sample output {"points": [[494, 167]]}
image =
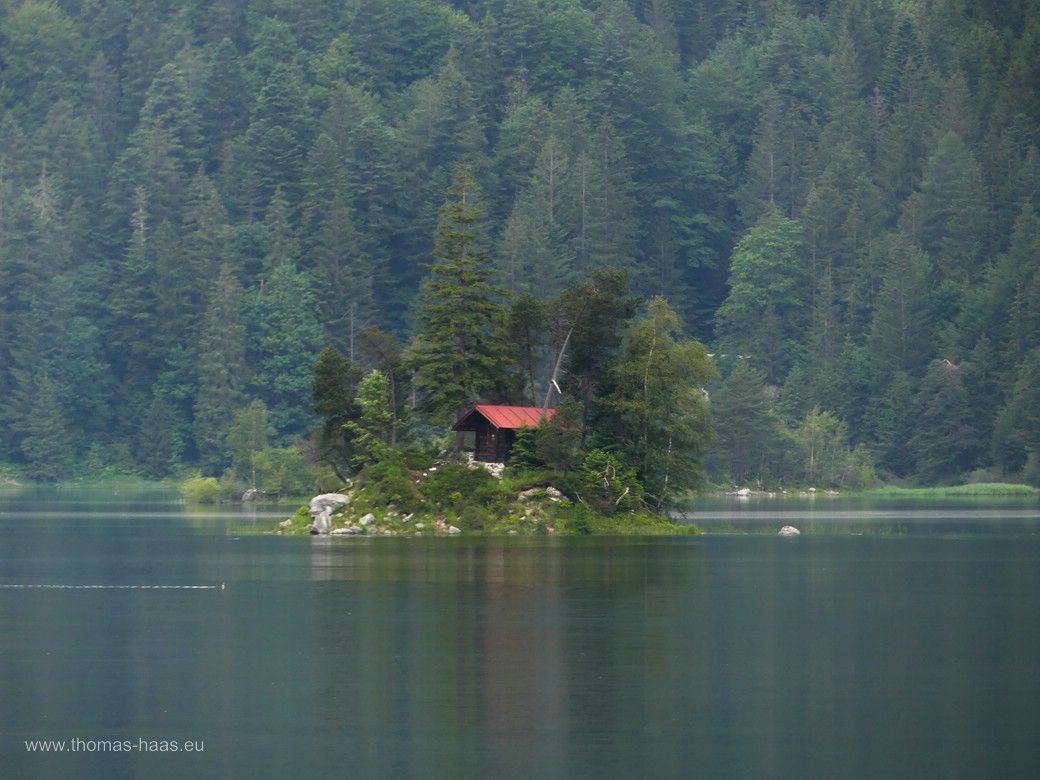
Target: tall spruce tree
{"points": [[459, 355], [46, 444], [285, 341], [221, 370]]}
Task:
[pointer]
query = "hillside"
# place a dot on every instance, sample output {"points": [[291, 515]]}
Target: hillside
{"points": [[837, 196]]}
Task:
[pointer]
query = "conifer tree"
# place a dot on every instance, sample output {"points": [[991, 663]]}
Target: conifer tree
{"points": [[945, 443], [459, 357], [285, 340], [221, 370], [745, 427], [333, 397], [46, 445]]}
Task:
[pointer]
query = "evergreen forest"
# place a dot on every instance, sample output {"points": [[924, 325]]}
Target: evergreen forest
{"points": [[219, 217]]}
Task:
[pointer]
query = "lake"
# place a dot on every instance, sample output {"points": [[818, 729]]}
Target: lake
{"points": [[887, 641]]}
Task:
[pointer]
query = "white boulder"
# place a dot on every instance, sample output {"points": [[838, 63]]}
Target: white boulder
{"points": [[321, 510], [789, 530]]}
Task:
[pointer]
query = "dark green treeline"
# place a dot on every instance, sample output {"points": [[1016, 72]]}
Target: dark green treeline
{"points": [[839, 195]]}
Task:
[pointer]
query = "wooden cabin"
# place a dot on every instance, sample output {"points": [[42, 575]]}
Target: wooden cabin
{"points": [[493, 428]]}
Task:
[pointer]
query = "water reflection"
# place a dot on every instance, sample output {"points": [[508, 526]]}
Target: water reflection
{"points": [[726, 656]]}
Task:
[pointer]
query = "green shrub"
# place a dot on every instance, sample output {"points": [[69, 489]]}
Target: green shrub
{"points": [[389, 482], [198, 489], [416, 459], [285, 471], [455, 486], [472, 518], [524, 454], [581, 520], [860, 470]]}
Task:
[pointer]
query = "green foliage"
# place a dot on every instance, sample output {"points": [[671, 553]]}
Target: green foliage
{"points": [[198, 489], [46, 444], [821, 454], [459, 357], [555, 443], [945, 441], [286, 341], [459, 487], [979, 490], [860, 473], [373, 433], [285, 471], [221, 370], [746, 430], [333, 398], [657, 415], [249, 436], [390, 482], [604, 483], [764, 314], [859, 173]]}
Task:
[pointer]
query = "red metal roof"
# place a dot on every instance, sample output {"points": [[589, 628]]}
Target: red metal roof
{"points": [[510, 416]]}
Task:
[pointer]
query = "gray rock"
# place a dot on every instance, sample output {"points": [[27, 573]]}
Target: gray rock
{"points": [[553, 493], [789, 530], [513, 532], [367, 519], [743, 492], [342, 532], [453, 531], [532, 493], [287, 523], [420, 526], [254, 494], [321, 510]]}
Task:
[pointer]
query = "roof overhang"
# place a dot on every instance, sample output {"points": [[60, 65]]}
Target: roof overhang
{"points": [[500, 416]]}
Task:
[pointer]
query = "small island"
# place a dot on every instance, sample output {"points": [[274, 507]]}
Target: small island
{"points": [[447, 436]]}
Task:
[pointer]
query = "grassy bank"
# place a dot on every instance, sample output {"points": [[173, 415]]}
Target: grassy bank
{"points": [[979, 490]]}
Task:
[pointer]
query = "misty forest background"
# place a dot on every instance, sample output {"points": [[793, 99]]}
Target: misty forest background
{"points": [[839, 197]]}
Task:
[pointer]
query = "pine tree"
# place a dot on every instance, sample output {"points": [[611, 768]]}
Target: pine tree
{"points": [[333, 397], [950, 224], [221, 370], [537, 250], [285, 340], [374, 430], [945, 443], [222, 103], [901, 329], [346, 272], [1016, 435], [46, 444], [744, 425], [458, 355], [159, 445]]}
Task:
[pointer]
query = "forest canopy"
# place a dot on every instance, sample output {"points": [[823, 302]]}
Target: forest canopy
{"points": [[839, 197]]}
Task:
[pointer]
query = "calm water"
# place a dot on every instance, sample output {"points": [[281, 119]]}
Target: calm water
{"points": [[878, 646]]}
